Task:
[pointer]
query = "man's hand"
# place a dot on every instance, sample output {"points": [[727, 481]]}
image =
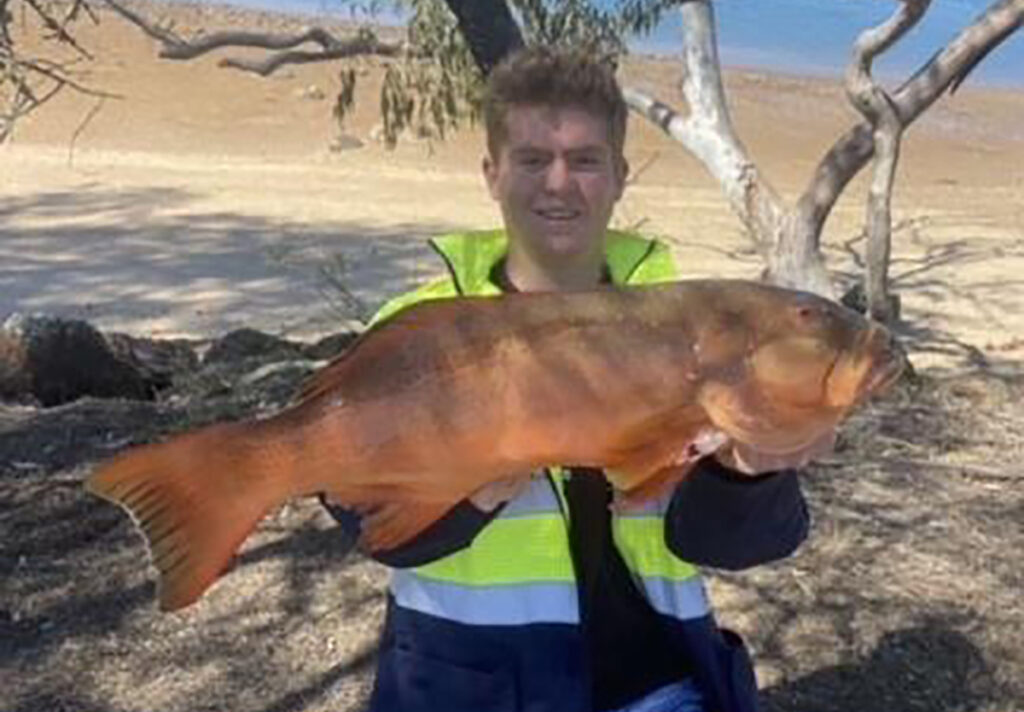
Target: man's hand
{"points": [[749, 461], [493, 494]]}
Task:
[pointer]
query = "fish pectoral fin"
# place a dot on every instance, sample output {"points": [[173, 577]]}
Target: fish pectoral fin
{"points": [[653, 488], [389, 525], [656, 474]]}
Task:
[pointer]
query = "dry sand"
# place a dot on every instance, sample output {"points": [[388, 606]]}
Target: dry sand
{"points": [[205, 199]]}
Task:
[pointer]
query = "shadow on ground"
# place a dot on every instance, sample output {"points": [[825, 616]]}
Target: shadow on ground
{"points": [[906, 597], [925, 668], [927, 279], [154, 257], [295, 620]]}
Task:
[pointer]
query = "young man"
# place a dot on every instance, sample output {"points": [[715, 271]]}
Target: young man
{"points": [[534, 594]]}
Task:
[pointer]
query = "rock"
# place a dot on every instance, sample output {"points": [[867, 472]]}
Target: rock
{"points": [[15, 376], [311, 93], [274, 370], [345, 142], [158, 361], [55, 360], [329, 347], [244, 344]]}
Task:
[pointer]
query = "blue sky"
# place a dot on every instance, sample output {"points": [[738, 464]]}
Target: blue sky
{"points": [[806, 36]]}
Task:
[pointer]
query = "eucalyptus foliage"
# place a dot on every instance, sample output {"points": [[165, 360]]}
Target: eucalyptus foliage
{"points": [[435, 86]]}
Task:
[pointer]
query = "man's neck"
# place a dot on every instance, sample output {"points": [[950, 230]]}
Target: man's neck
{"points": [[530, 275]]}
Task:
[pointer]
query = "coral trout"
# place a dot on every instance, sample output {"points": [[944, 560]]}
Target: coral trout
{"points": [[452, 394]]}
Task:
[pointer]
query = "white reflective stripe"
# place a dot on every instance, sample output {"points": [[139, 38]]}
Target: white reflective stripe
{"points": [[680, 599], [539, 498], [517, 604], [653, 508]]}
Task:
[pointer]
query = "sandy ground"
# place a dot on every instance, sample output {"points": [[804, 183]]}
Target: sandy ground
{"points": [[203, 200]]}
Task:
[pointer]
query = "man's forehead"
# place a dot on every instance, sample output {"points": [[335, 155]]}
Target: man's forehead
{"points": [[527, 124]]}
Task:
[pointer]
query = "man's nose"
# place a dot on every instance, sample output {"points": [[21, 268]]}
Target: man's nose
{"points": [[559, 177]]}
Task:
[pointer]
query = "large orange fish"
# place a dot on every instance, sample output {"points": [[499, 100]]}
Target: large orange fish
{"points": [[452, 394]]}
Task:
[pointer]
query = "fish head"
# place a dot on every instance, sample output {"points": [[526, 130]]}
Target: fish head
{"points": [[807, 363]]}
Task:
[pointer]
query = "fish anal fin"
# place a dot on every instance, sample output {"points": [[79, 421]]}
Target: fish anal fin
{"points": [[391, 524]]}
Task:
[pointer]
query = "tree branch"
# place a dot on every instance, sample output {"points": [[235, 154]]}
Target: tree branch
{"points": [[28, 82], [488, 28], [708, 132], [887, 128], [58, 28], [340, 49], [792, 256], [945, 69], [332, 48]]}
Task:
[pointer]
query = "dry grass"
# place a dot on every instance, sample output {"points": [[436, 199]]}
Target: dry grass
{"points": [[907, 596]]}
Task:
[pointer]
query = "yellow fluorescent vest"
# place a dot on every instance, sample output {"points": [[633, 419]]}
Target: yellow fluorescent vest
{"points": [[519, 570]]}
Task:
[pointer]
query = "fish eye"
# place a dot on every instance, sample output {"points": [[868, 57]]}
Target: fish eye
{"points": [[807, 312]]}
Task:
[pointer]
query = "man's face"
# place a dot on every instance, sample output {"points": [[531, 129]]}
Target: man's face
{"points": [[557, 178]]}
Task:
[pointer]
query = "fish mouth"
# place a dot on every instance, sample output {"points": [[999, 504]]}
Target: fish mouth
{"points": [[890, 364], [873, 364]]}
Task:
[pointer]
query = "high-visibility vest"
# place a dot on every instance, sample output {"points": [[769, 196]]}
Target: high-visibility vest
{"points": [[519, 570]]}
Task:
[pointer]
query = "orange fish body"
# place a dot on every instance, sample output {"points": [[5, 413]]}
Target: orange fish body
{"points": [[452, 394]]}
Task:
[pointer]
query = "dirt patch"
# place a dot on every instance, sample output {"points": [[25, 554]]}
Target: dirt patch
{"points": [[907, 595]]}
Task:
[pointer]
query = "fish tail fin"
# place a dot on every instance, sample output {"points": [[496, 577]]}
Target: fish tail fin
{"points": [[195, 498]]}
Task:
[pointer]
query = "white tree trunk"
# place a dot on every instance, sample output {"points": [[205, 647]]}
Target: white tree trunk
{"points": [[789, 236], [709, 135], [887, 129]]}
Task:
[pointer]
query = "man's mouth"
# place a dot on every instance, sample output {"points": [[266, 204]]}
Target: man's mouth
{"points": [[557, 214]]}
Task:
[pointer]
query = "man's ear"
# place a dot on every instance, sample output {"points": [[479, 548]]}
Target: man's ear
{"points": [[623, 175], [490, 169]]}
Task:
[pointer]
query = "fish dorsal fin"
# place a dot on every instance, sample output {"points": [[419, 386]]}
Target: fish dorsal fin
{"points": [[374, 354]]}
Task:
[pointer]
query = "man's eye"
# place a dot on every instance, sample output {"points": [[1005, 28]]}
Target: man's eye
{"points": [[587, 162], [532, 161]]}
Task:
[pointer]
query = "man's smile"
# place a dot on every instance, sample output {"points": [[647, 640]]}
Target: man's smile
{"points": [[557, 214]]}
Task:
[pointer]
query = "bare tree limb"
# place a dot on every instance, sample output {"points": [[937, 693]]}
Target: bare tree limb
{"points": [[887, 129], [331, 47], [58, 28], [58, 73], [707, 132], [27, 82], [161, 35], [356, 46], [947, 67], [81, 127]]}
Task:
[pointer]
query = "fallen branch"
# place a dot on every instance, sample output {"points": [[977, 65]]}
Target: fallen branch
{"points": [[331, 47]]}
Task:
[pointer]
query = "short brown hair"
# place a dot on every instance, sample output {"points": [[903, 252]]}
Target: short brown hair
{"points": [[556, 77]]}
